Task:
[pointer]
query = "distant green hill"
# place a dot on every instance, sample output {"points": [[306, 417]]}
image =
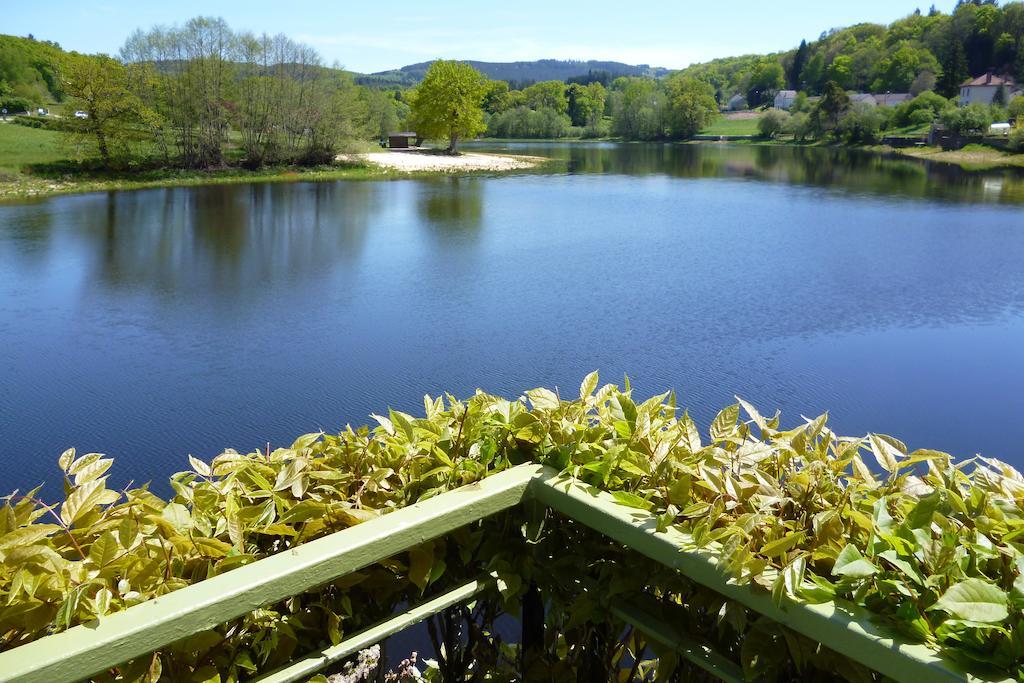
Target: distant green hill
{"points": [[519, 73], [26, 69]]}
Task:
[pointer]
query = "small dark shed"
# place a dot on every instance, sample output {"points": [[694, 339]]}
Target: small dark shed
{"points": [[401, 140]]}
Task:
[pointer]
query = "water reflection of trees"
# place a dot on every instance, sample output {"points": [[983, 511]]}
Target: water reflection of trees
{"points": [[27, 229], [844, 169], [226, 237], [453, 205]]}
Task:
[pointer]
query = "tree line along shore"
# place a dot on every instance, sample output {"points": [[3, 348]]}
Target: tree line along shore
{"points": [[201, 101]]}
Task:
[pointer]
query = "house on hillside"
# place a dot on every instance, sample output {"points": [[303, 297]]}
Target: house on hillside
{"points": [[983, 89], [736, 103], [891, 99], [784, 99], [865, 97]]}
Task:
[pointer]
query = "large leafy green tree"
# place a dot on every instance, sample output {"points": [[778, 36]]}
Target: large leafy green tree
{"points": [[448, 103], [638, 108], [897, 71], [497, 98], [99, 86], [551, 94], [691, 105], [830, 109], [586, 103], [841, 72]]}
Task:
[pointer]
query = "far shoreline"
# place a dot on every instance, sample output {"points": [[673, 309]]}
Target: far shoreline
{"points": [[974, 158], [26, 187]]}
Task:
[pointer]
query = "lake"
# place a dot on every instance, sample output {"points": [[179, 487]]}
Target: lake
{"points": [[153, 324]]}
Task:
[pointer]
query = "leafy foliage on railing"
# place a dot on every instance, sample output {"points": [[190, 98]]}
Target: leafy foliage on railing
{"points": [[929, 545], [102, 550]]}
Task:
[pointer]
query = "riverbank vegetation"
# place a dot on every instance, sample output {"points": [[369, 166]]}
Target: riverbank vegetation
{"points": [[837, 117], [630, 108], [928, 545], [206, 98]]}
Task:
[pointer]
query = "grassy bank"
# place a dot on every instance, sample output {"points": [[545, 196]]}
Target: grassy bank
{"points": [[970, 158], [20, 146], [34, 163], [744, 123], [22, 186]]}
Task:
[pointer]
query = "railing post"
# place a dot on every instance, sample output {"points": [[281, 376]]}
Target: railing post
{"points": [[594, 665], [532, 640]]}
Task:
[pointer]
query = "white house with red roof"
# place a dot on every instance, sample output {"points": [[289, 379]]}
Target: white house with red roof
{"points": [[983, 89]]}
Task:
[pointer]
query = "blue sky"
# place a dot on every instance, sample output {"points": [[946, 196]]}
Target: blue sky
{"points": [[373, 36]]}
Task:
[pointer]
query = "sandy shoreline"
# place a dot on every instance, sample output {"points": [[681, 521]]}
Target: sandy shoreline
{"points": [[413, 161]]}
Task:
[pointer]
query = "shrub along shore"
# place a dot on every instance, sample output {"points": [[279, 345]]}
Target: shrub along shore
{"points": [[931, 546], [34, 165], [21, 187]]}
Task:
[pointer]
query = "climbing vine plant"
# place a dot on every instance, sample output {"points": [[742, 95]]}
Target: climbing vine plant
{"points": [[931, 546]]}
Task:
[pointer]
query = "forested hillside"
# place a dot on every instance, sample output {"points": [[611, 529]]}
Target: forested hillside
{"points": [[523, 73], [924, 51], [26, 70]]}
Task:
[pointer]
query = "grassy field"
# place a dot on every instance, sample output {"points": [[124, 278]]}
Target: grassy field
{"points": [[732, 125], [20, 146], [912, 129], [746, 124]]}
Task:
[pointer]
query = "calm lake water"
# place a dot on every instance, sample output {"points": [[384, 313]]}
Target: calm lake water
{"points": [[153, 324]]}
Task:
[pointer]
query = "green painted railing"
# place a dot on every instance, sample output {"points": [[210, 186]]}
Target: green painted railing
{"points": [[89, 649]]}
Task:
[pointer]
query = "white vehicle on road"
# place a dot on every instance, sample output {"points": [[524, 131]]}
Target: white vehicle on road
{"points": [[81, 114]]}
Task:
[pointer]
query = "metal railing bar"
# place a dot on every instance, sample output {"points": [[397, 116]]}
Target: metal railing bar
{"points": [[89, 649], [301, 668], [642, 613], [841, 626]]}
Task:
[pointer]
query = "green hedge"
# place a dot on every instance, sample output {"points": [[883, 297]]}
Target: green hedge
{"points": [[16, 105], [930, 545], [46, 123]]}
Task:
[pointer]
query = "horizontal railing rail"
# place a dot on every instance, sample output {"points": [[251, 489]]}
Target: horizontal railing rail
{"points": [[839, 625], [317, 661], [89, 649], [644, 614]]}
